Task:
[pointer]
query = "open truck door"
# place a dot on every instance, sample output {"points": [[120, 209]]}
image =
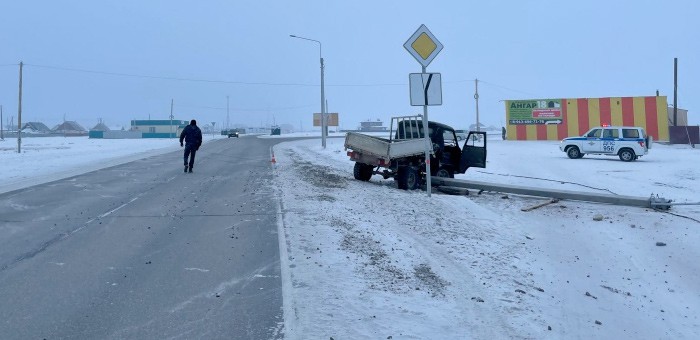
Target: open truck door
{"points": [[473, 152]]}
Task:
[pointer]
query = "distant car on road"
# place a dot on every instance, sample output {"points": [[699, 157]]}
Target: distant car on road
{"points": [[461, 134], [627, 142], [230, 133]]}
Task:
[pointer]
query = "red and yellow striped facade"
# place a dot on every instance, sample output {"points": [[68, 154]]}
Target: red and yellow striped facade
{"points": [[578, 115]]}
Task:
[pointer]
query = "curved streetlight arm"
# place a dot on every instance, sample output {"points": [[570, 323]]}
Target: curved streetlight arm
{"points": [[320, 48]]}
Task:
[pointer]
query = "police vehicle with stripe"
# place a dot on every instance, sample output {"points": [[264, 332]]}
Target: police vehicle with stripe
{"points": [[627, 142]]}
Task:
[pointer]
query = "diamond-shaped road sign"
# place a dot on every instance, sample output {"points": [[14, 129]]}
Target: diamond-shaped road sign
{"points": [[423, 46]]}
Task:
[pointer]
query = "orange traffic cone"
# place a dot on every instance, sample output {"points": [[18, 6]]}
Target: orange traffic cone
{"points": [[273, 161]]}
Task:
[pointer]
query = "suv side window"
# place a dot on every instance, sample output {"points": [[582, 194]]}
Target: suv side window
{"points": [[611, 133], [630, 133], [594, 133]]}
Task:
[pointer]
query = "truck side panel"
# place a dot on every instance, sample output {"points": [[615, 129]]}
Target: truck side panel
{"points": [[406, 148], [383, 148], [367, 144]]}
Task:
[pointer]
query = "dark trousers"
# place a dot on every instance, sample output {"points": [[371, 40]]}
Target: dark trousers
{"points": [[190, 151]]}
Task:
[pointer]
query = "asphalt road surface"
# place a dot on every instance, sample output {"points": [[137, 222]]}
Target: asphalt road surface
{"points": [[145, 251]]}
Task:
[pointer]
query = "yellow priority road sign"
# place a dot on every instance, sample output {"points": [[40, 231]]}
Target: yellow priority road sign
{"points": [[423, 46]]}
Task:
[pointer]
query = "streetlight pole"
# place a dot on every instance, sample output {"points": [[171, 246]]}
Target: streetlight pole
{"points": [[19, 111], [324, 131], [476, 98], [172, 101]]}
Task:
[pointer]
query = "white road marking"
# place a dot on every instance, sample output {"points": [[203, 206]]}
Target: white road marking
{"points": [[198, 269]]}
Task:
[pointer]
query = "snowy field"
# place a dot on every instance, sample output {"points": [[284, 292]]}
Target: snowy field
{"points": [[366, 260]]}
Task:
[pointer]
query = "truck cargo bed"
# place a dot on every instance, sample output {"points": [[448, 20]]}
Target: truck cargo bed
{"points": [[382, 147]]}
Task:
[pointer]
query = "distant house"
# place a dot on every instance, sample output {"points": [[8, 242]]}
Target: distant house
{"points": [[36, 128], [98, 130], [159, 128], [681, 116], [100, 127], [70, 128], [473, 127], [372, 126]]}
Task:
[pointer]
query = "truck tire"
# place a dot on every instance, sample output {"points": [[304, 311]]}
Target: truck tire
{"points": [[573, 152], [444, 172], [627, 155], [407, 178], [362, 171]]}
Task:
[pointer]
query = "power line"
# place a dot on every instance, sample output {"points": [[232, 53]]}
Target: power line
{"points": [[201, 80], [246, 110], [507, 89], [131, 75], [367, 85]]}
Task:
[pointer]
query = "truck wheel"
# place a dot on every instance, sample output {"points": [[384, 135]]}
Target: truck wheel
{"points": [[362, 171], [573, 152], [407, 178], [627, 155], [444, 172], [401, 177]]}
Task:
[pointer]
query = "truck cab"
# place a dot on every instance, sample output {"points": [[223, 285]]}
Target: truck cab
{"points": [[447, 157]]}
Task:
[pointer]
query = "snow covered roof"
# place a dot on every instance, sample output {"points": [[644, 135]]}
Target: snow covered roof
{"points": [[69, 125], [100, 127], [36, 127]]}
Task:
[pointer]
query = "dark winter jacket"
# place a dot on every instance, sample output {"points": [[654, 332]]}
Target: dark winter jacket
{"points": [[192, 136]]}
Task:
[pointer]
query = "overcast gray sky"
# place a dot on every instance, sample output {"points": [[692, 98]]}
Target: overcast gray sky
{"points": [[126, 59]]}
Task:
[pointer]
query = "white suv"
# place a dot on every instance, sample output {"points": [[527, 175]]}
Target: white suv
{"points": [[627, 142], [461, 134]]}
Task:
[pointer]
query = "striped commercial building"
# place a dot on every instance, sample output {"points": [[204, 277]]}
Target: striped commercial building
{"points": [[555, 119]]}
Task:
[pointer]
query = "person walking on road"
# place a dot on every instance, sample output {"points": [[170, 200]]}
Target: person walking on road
{"points": [[193, 140]]}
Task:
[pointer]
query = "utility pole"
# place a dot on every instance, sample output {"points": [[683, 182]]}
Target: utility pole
{"points": [[172, 101], [2, 137], [476, 97], [323, 106], [227, 116], [326, 118], [19, 111], [675, 91]]}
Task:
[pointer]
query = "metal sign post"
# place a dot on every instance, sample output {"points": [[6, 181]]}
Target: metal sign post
{"points": [[19, 111], [423, 46], [172, 101], [428, 146]]}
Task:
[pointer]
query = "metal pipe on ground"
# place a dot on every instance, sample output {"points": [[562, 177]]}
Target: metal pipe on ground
{"points": [[653, 202]]}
